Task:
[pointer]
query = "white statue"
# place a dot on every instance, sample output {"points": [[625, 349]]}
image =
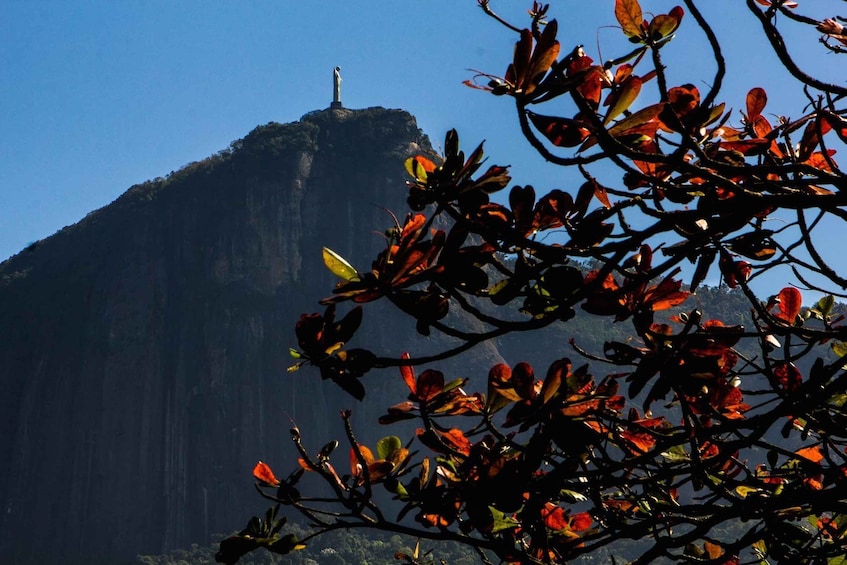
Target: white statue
{"points": [[336, 88]]}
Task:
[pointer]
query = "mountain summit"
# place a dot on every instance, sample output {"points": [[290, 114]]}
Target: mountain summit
{"points": [[143, 351]]}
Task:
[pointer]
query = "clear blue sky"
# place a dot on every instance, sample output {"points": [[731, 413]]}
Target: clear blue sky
{"points": [[98, 95]]}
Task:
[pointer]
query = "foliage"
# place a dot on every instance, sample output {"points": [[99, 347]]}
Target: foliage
{"points": [[341, 547], [724, 446]]}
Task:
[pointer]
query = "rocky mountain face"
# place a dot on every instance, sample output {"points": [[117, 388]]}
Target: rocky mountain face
{"points": [[143, 351]]}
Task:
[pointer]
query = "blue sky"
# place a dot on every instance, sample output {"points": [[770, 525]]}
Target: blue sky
{"points": [[99, 95]]}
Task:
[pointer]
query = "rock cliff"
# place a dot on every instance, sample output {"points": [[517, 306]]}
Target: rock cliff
{"points": [[143, 351]]}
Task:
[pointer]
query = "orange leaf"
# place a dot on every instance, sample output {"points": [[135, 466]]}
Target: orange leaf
{"points": [[457, 439], [408, 374], [262, 472], [812, 453], [713, 550], [836, 123], [629, 15], [819, 161]]}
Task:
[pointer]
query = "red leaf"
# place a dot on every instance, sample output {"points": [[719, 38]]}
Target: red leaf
{"points": [[429, 385], [747, 147], [683, 99], [554, 517], [523, 381], [788, 376], [811, 137], [591, 86], [757, 98], [562, 132], [581, 521], [262, 472], [790, 302]]}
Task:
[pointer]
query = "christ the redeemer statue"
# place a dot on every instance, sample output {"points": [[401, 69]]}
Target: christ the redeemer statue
{"points": [[336, 88]]}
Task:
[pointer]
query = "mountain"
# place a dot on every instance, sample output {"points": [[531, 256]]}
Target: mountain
{"points": [[143, 350]]}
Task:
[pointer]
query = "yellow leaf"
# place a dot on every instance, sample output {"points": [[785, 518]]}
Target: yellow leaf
{"points": [[419, 167], [627, 95], [743, 491], [839, 348], [628, 13], [339, 266]]}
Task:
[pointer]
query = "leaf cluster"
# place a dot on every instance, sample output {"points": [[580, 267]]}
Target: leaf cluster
{"points": [[692, 425]]}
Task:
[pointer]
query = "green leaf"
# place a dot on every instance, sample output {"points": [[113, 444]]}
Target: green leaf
{"points": [[824, 306], [502, 521], [572, 495], [387, 445], [339, 266], [675, 454], [294, 353]]}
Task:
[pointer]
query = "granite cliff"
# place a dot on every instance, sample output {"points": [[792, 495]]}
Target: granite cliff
{"points": [[143, 351]]}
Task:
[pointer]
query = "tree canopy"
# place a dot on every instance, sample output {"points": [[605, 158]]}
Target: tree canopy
{"points": [[711, 441]]}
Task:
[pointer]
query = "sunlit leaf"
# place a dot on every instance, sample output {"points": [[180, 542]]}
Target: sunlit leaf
{"points": [[713, 550], [562, 132], [263, 473], [812, 453], [790, 302], [757, 98], [665, 24], [839, 348], [788, 376], [419, 166], [429, 384], [339, 266], [387, 445], [629, 15], [408, 374], [627, 94]]}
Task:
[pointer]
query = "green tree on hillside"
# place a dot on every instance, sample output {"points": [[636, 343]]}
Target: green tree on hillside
{"points": [[699, 436]]}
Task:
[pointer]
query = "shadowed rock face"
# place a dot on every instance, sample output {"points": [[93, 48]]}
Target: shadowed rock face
{"points": [[143, 351]]}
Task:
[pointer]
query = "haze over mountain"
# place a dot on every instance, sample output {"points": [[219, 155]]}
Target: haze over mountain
{"points": [[144, 349]]}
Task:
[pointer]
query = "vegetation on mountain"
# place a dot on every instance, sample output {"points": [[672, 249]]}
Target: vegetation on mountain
{"points": [[710, 441], [341, 547]]}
